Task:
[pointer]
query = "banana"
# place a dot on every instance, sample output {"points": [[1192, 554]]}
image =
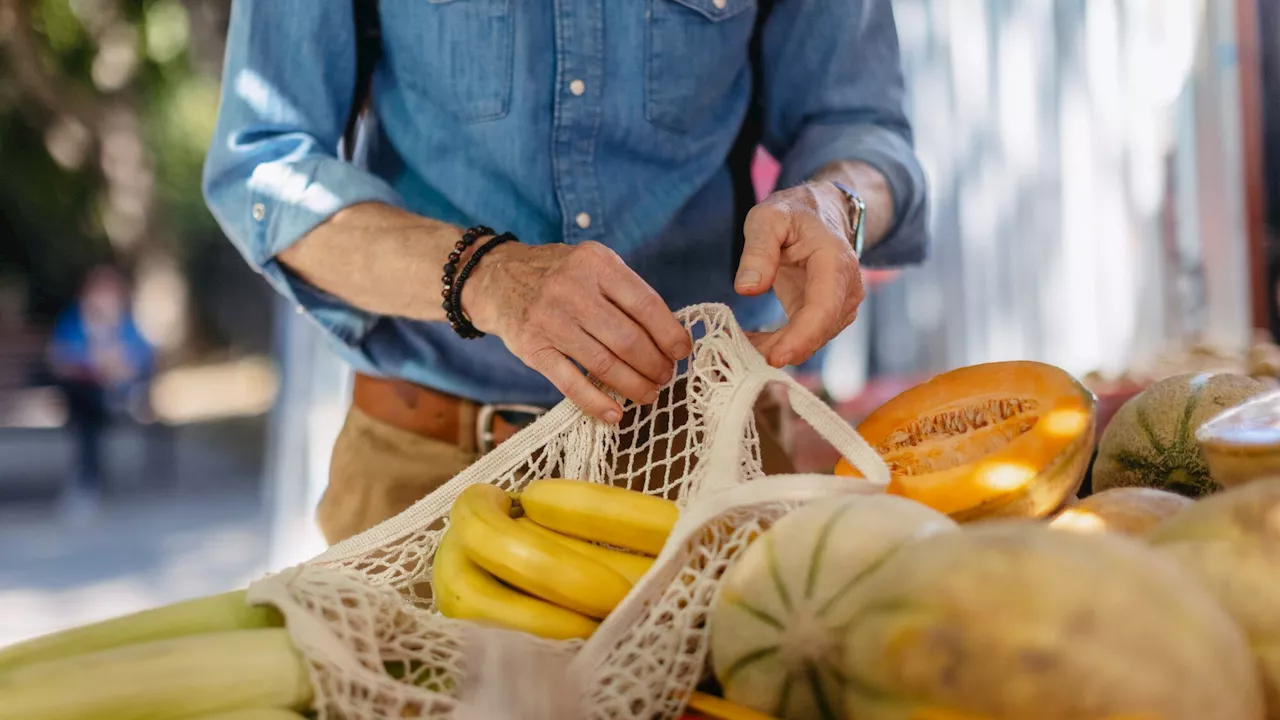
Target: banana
{"points": [[601, 513], [464, 591], [525, 559], [628, 565]]}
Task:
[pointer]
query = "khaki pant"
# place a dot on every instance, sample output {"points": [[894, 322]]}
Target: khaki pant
{"points": [[378, 470]]}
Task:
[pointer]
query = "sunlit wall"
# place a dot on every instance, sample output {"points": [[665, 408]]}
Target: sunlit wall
{"points": [[1084, 161]]}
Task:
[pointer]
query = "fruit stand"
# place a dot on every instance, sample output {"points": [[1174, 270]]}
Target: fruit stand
{"points": [[947, 563]]}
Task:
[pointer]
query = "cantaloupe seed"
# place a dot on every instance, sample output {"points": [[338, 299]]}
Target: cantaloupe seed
{"points": [[952, 437]]}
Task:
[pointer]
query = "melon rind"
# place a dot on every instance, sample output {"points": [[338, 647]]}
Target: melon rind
{"points": [[1150, 442], [775, 629], [1128, 510], [1012, 620], [1231, 543]]}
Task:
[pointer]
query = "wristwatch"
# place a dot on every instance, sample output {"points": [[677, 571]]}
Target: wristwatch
{"points": [[857, 210]]}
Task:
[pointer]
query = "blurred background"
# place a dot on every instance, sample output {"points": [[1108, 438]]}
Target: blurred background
{"points": [[1101, 172]]}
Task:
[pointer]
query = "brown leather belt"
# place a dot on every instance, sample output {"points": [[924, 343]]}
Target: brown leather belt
{"points": [[472, 426]]}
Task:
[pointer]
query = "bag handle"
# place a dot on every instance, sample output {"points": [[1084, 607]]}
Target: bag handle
{"points": [[726, 458]]}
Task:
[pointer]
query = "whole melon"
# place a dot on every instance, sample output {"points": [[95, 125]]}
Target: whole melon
{"points": [[1231, 543], [1011, 620], [1128, 510], [1151, 440], [775, 625]]}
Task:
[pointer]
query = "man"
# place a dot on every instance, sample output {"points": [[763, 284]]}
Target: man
{"points": [[599, 133]]}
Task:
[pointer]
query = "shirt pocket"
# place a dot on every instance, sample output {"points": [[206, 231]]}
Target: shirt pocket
{"points": [[696, 50], [457, 54]]}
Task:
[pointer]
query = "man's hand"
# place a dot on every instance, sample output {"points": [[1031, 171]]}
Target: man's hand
{"points": [[550, 304], [797, 245], [554, 305]]}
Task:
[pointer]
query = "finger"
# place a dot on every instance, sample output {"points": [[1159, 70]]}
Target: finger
{"points": [[763, 341], [562, 373], [818, 320], [641, 303], [608, 368], [628, 340], [764, 233]]}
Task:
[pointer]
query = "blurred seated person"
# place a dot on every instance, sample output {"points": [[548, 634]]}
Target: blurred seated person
{"points": [[101, 363]]}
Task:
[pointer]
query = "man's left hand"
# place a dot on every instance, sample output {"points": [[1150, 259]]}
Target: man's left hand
{"points": [[796, 245]]}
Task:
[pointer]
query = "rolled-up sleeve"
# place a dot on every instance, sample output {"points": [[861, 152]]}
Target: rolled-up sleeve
{"points": [[833, 91], [272, 172]]}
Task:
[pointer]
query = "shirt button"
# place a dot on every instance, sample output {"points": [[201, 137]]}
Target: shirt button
{"points": [[259, 211], [300, 310], [583, 220], [577, 87]]}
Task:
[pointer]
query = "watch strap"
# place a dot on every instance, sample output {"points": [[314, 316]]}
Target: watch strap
{"points": [[857, 211]]}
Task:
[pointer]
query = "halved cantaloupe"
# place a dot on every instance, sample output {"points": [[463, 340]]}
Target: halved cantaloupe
{"points": [[1242, 444], [1005, 439]]}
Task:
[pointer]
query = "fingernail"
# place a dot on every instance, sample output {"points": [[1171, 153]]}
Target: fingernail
{"points": [[681, 350], [748, 278], [650, 398], [612, 417], [784, 361]]}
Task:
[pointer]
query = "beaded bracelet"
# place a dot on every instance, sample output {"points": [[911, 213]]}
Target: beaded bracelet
{"points": [[451, 268], [457, 320]]}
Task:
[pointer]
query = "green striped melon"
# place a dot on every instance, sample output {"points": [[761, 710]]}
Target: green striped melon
{"points": [[775, 627], [1231, 543], [1011, 620], [1151, 440]]}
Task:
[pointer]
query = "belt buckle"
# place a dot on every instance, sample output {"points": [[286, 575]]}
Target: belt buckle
{"points": [[486, 414]]}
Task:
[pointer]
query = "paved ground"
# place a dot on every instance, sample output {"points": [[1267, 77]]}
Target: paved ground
{"points": [[147, 546]]}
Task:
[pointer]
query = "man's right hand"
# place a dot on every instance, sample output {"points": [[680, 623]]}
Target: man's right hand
{"points": [[553, 304]]}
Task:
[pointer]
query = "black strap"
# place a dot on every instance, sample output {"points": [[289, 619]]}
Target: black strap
{"points": [[749, 137], [368, 32]]}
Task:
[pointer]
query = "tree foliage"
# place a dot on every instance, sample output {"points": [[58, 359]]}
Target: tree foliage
{"points": [[106, 110]]}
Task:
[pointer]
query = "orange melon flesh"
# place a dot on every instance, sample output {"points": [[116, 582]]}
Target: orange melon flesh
{"points": [[997, 439]]}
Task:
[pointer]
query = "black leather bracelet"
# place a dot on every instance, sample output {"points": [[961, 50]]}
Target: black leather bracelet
{"points": [[457, 319], [451, 269]]}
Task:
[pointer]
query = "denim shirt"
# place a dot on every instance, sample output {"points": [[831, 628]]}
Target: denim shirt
{"points": [[605, 120]]}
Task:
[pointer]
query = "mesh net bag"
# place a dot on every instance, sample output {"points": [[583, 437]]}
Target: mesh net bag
{"points": [[362, 612]]}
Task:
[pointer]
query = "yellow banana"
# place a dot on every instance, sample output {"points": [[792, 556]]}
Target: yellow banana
{"points": [[525, 559], [601, 513], [628, 565], [463, 590]]}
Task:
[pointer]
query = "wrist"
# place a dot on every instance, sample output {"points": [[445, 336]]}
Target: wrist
{"points": [[483, 292]]}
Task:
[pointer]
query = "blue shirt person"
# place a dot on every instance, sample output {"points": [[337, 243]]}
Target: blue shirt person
{"points": [[100, 360], [596, 131]]}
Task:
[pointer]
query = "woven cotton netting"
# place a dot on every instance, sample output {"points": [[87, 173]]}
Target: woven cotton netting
{"points": [[363, 615]]}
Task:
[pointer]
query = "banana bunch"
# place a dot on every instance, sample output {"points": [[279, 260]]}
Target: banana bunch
{"points": [[548, 572]]}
